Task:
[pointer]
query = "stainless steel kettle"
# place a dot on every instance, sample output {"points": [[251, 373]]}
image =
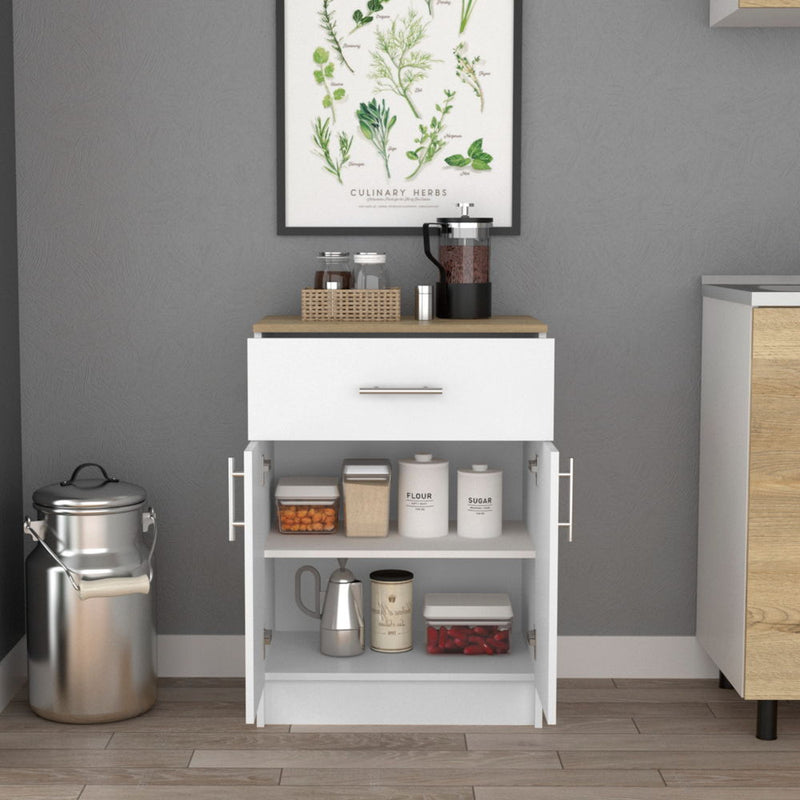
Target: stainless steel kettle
{"points": [[342, 614]]}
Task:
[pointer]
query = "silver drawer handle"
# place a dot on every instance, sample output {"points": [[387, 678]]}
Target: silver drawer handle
{"points": [[399, 390]]}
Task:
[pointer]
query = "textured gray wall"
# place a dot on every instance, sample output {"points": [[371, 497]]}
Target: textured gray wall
{"points": [[11, 616], [655, 150]]}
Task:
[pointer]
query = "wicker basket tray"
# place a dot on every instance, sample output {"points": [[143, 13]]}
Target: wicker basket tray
{"points": [[371, 305]]}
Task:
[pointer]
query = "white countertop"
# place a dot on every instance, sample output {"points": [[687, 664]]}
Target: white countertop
{"points": [[754, 290]]}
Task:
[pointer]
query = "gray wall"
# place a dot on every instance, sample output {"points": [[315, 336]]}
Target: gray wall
{"points": [[11, 616], [655, 150]]}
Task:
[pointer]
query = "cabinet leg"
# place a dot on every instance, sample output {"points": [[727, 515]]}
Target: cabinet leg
{"points": [[767, 720], [724, 683]]}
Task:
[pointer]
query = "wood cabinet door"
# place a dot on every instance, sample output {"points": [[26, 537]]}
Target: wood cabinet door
{"points": [[772, 646]]}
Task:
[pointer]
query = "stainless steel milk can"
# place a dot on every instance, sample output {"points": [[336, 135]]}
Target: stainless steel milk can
{"points": [[90, 610]]}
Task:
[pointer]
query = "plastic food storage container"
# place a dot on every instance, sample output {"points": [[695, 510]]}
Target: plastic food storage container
{"points": [[307, 505], [468, 624], [366, 485]]}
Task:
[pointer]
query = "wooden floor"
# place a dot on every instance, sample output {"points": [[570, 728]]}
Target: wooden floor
{"points": [[615, 740]]}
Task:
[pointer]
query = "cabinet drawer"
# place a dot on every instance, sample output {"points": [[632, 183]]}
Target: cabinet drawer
{"points": [[319, 388]]}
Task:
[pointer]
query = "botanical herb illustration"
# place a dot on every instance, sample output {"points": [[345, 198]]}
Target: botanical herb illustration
{"points": [[375, 124], [467, 7], [322, 75], [429, 140], [362, 18], [329, 26], [429, 3], [466, 71], [322, 142], [396, 65], [475, 157]]}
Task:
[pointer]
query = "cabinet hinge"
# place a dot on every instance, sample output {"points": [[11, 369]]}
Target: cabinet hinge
{"points": [[266, 466], [533, 466], [532, 641], [267, 639]]}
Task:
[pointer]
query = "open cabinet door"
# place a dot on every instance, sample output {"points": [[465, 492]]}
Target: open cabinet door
{"points": [[257, 607], [541, 517]]}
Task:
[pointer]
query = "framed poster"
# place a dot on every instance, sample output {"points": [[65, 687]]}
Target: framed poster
{"points": [[390, 112]]}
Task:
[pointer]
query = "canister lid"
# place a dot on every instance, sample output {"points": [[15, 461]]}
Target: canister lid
{"points": [[306, 487], [391, 575], [369, 258], [88, 493], [366, 469], [423, 459], [467, 606], [483, 469]]}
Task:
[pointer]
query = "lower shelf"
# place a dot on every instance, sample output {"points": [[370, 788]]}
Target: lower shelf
{"points": [[304, 687], [295, 656]]}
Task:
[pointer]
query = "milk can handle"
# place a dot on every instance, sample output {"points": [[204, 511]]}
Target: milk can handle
{"points": [[29, 528], [103, 587], [88, 464]]}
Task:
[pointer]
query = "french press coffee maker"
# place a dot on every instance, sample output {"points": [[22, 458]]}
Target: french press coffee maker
{"points": [[463, 290]]}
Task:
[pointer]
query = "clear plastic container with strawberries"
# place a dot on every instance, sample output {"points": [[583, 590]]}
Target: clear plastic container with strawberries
{"points": [[469, 624]]}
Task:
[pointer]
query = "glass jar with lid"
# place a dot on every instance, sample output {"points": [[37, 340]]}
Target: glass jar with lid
{"points": [[370, 271], [333, 271]]}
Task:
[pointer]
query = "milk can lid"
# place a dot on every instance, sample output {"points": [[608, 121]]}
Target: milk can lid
{"points": [[89, 493]]}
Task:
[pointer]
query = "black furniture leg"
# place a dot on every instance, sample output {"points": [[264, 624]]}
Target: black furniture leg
{"points": [[724, 683], [767, 720]]}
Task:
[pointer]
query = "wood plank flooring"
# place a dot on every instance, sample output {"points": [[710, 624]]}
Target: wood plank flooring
{"points": [[615, 740]]}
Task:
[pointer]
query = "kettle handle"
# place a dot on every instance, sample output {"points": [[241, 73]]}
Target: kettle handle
{"points": [[317, 613], [426, 243]]}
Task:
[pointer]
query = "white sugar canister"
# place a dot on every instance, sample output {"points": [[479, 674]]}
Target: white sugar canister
{"points": [[479, 513], [422, 496]]}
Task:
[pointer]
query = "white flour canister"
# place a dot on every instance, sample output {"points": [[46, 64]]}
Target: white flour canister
{"points": [[479, 512], [422, 501]]}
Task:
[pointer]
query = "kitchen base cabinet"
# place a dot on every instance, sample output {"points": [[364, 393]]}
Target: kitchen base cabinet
{"points": [[748, 593], [288, 681], [755, 13]]}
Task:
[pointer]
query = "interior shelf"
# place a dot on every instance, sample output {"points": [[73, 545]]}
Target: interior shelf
{"points": [[297, 658], [515, 542]]}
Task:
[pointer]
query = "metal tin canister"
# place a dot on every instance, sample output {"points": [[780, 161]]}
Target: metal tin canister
{"points": [[391, 600], [90, 611]]}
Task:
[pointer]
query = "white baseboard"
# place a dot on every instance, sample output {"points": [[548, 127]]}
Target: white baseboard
{"points": [[13, 672], [633, 657], [578, 657]]}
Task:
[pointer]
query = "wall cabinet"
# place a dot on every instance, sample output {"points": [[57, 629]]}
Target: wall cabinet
{"points": [[483, 382], [748, 593], [755, 13]]}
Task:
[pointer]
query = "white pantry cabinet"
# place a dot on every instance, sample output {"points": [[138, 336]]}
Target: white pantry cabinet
{"points": [[482, 382], [755, 13]]}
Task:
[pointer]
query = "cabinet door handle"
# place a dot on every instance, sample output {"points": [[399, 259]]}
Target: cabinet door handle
{"points": [[232, 524], [571, 476], [400, 390]]}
